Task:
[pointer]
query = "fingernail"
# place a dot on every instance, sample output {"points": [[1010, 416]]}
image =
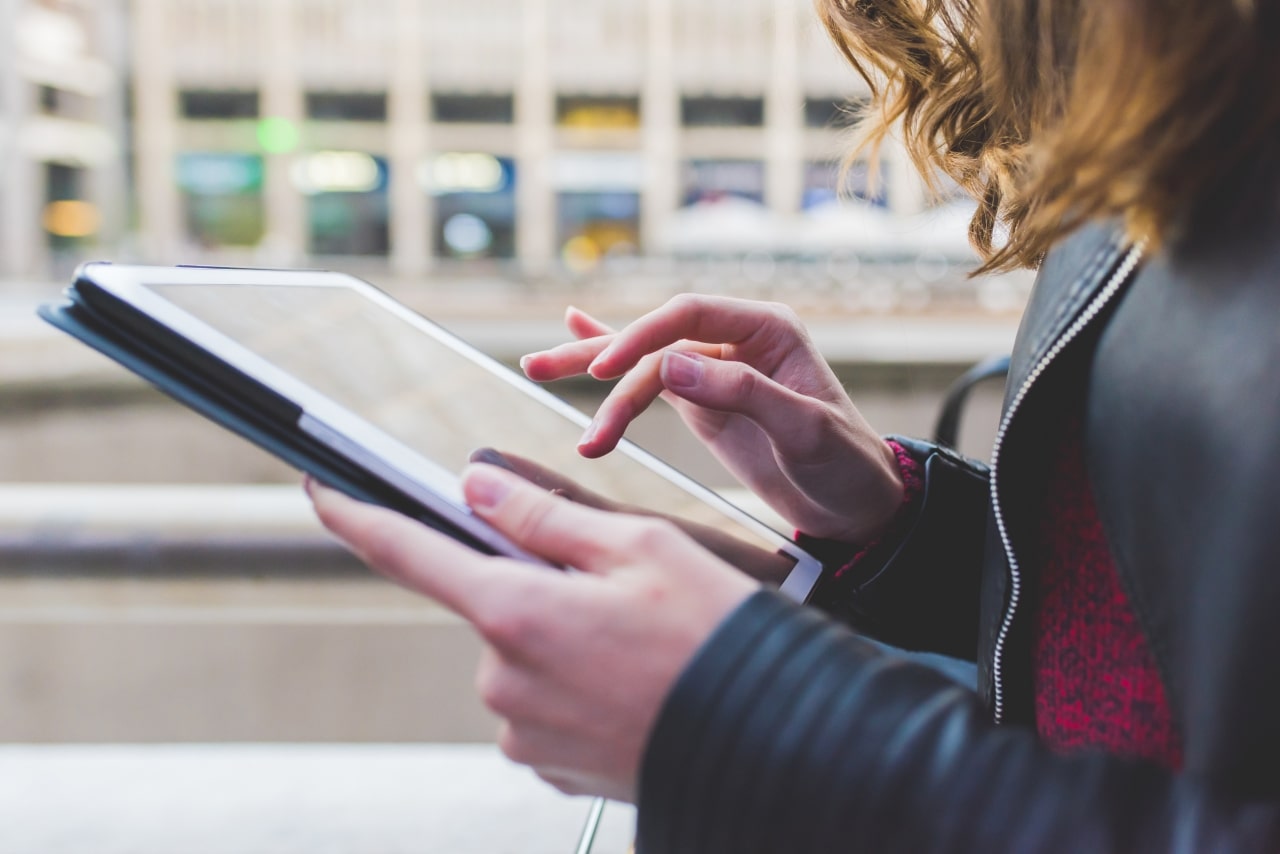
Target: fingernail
{"points": [[681, 370], [589, 436], [311, 486], [491, 457], [485, 488], [600, 358], [524, 362], [318, 493]]}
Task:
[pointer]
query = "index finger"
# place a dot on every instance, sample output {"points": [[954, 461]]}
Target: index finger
{"points": [[701, 318], [563, 360]]}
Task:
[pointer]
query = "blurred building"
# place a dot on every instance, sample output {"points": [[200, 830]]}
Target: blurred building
{"points": [[62, 123], [536, 132]]}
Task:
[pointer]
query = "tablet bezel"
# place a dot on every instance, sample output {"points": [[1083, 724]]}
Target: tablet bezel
{"points": [[356, 439]]}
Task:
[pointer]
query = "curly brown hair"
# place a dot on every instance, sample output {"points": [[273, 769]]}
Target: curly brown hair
{"points": [[1054, 112]]}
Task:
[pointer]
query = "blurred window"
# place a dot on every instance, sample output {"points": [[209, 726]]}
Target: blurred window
{"points": [[347, 202], [475, 204], [710, 111], [593, 227], [62, 102], [222, 198], [218, 104], [62, 182], [48, 100], [598, 112], [473, 109], [832, 112], [822, 183], [347, 106], [67, 219], [711, 180]]}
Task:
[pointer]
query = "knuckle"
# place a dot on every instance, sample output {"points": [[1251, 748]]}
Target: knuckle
{"points": [[492, 694], [493, 685], [511, 744], [783, 313], [508, 623], [690, 308], [780, 310], [650, 534], [532, 519], [685, 302], [813, 433], [746, 383]]}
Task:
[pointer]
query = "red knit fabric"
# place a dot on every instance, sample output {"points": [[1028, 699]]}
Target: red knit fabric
{"points": [[1096, 683]]}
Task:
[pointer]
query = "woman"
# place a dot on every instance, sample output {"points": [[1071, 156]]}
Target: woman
{"points": [[1115, 574]]}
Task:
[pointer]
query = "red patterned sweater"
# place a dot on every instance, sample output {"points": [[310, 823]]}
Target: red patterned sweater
{"points": [[1096, 683]]}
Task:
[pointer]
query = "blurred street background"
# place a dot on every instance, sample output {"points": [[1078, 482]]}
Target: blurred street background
{"points": [[168, 607]]}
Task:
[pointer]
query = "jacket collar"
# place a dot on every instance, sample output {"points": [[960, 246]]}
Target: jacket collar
{"points": [[1072, 274]]}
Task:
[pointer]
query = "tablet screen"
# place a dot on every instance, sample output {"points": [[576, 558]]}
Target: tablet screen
{"points": [[424, 390]]}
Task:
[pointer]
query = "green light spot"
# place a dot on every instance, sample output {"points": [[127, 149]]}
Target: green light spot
{"points": [[277, 135]]}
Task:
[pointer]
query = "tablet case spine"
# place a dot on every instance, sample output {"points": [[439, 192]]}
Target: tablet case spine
{"points": [[179, 382]]}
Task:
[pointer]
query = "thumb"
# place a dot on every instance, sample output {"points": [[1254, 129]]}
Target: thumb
{"points": [[543, 523]]}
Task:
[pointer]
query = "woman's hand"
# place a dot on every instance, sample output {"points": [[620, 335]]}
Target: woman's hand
{"points": [[577, 664], [749, 382]]}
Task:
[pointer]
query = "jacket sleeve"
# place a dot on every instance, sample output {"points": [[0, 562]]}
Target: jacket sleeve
{"points": [[789, 733], [919, 588]]}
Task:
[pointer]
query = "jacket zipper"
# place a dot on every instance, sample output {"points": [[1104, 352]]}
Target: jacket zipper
{"points": [[1095, 306]]}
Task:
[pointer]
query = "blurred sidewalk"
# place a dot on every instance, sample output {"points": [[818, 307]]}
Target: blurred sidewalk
{"points": [[287, 799]]}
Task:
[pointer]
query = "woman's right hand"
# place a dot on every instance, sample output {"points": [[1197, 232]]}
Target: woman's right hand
{"points": [[748, 381]]}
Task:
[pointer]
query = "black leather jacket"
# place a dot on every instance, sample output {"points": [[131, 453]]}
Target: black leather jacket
{"points": [[789, 733]]}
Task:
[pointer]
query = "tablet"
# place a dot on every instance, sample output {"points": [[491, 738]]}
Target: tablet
{"points": [[344, 382]]}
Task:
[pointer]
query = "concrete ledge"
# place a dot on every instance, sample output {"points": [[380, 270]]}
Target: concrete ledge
{"points": [[244, 510], [156, 679], [156, 613], [241, 518]]}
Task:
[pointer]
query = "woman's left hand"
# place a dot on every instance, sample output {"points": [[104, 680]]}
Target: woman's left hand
{"points": [[577, 664]]}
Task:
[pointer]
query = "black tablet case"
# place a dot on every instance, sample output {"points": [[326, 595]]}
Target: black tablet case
{"points": [[230, 399]]}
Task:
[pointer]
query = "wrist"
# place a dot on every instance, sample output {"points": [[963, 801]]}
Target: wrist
{"points": [[911, 477], [845, 552]]}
